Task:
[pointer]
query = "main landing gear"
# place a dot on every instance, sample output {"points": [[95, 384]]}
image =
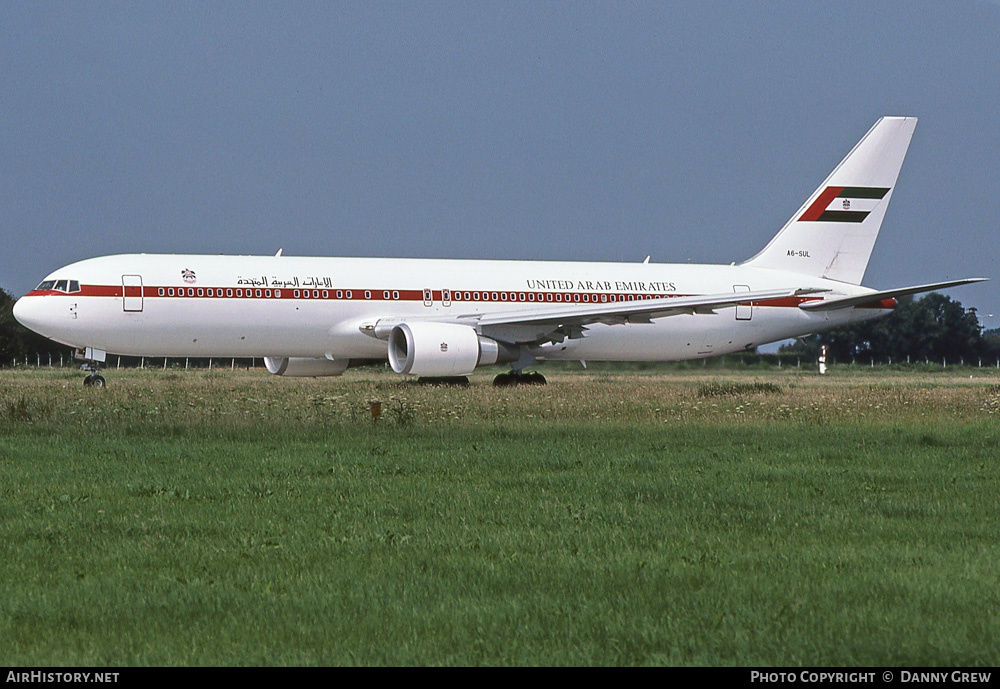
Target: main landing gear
{"points": [[514, 378]]}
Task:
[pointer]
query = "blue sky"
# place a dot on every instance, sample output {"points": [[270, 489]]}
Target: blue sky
{"points": [[690, 131]]}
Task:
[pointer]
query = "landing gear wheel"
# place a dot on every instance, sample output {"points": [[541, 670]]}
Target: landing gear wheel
{"points": [[506, 380], [94, 381]]}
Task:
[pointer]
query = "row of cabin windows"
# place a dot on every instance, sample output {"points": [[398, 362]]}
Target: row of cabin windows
{"points": [[343, 294], [548, 296], [74, 286], [211, 292], [67, 286], [266, 293]]}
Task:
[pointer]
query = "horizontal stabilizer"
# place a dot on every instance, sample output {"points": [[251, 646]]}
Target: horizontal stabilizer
{"points": [[835, 303]]}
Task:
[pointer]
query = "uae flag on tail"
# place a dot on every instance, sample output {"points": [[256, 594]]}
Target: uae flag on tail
{"points": [[844, 204]]}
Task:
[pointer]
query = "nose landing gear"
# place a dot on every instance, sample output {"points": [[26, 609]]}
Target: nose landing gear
{"points": [[92, 360], [95, 379]]}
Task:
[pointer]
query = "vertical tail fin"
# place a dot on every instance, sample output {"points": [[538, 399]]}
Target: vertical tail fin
{"points": [[833, 234]]}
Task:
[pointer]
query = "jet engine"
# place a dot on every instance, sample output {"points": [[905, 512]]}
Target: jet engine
{"points": [[443, 349], [305, 367]]}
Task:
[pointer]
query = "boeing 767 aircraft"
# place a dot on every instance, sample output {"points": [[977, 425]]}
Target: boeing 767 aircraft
{"points": [[443, 318]]}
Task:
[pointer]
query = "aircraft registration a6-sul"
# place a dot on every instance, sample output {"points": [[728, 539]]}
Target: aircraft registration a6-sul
{"points": [[443, 318]]}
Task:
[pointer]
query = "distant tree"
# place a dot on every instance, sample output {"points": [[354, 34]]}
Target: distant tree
{"points": [[9, 334], [934, 327], [991, 343], [16, 341]]}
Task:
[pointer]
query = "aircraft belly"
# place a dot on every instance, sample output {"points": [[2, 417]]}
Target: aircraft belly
{"points": [[175, 328], [677, 338]]}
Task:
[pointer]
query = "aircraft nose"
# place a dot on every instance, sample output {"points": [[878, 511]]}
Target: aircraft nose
{"points": [[27, 313]]}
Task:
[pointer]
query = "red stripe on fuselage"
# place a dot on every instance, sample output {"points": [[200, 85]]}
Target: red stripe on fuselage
{"points": [[457, 296]]}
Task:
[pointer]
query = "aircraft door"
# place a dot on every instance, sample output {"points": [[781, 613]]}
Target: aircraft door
{"points": [[132, 292], [743, 313]]}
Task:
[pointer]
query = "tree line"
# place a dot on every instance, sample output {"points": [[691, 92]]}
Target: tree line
{"points": [[933, 328], [16, 341]]}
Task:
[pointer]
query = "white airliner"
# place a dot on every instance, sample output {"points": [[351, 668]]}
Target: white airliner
{"points": [[442, 318]]}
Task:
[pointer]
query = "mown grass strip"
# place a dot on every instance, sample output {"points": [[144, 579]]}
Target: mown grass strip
{"points": [[220, 519]]}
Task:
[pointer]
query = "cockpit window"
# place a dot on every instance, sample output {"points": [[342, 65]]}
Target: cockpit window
{"points": [[67, 286]]}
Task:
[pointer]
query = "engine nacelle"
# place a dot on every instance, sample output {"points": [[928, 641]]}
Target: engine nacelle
{"points": [[302, 367], [442, 349]]}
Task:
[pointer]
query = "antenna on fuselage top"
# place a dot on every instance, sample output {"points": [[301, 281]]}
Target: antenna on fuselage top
{"points": [[279, 253]]}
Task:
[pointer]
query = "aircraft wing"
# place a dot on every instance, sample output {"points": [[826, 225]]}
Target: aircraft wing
{"points": [[834, 303], [536, 324]]}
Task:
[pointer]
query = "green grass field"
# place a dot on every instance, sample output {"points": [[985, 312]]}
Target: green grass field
{"points": [[644, 518]]}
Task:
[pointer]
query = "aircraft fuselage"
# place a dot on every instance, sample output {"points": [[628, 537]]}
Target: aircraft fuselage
{"points": [[189, 305]]}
